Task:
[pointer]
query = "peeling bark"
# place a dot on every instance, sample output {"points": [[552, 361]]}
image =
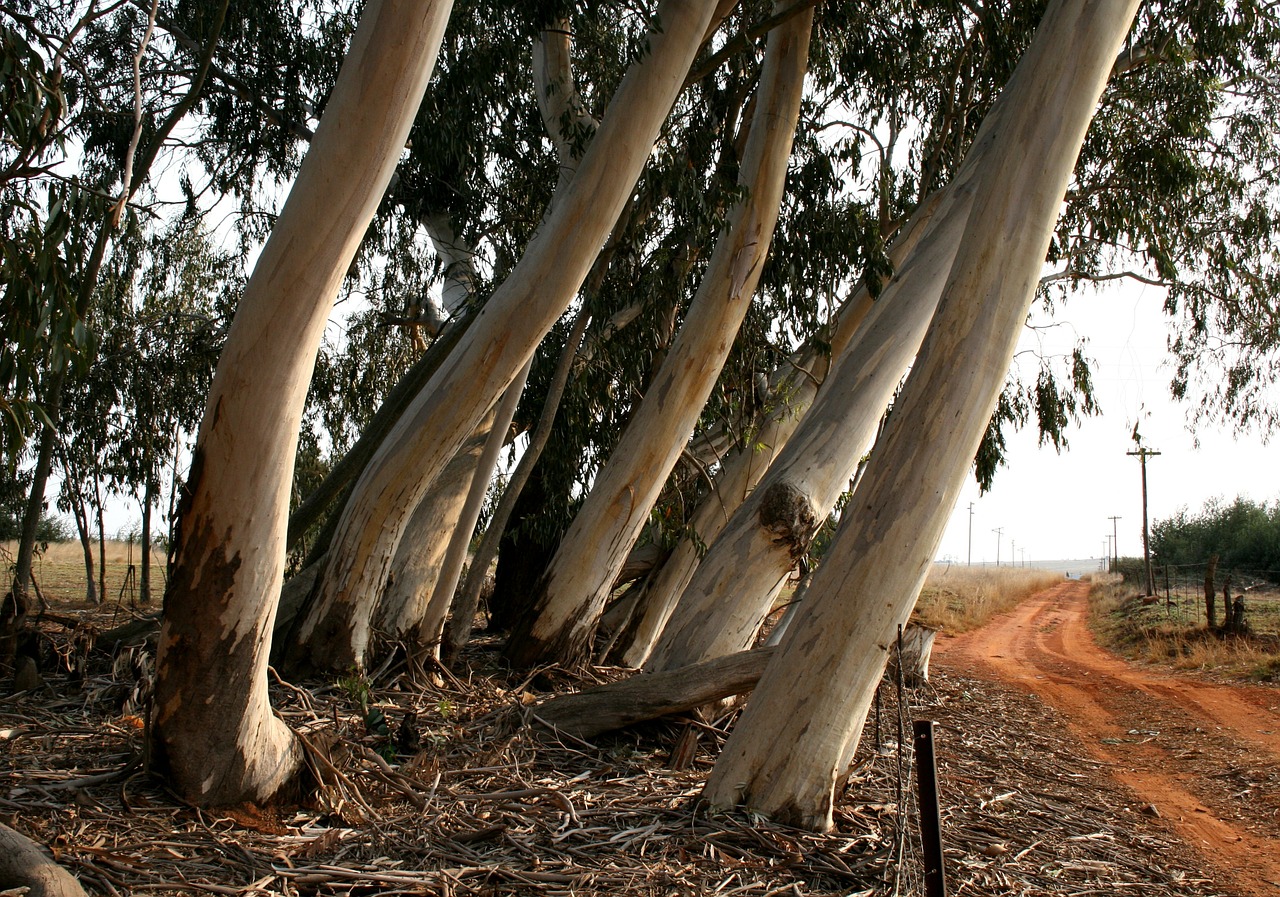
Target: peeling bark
{"points": [[793, 389], [733, 587], [214, 734]]}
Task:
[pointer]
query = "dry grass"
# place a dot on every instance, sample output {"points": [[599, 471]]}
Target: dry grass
{"points": [[59, 571], [957, 599], [1154, 632]]}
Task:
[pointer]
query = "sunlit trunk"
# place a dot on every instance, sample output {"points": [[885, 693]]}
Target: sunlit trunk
{"points": [[214, 733], [577, 582], [501, 340], [798, 733]]}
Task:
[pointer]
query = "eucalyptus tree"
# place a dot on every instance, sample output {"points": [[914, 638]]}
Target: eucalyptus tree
{"points": [[492, 352], [814, 695], [1100, 199], [174, 328], [579, 579], [91, 43], [229, 548]]}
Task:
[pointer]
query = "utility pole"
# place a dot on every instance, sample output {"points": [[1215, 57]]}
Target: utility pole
{"points": [[970, 534], [1013, 552], [999, 531], [1143, 454], [1115, 545]]}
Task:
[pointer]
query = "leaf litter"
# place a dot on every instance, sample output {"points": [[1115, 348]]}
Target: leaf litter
{"points": [[453, 788]]}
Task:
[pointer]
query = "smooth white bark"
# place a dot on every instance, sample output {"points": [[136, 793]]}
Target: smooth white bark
{"points": [[793, 389], [813, 699], [214, 731], [733, 587], [456, 557], [580, 577], [500, 341], [420, 556]]}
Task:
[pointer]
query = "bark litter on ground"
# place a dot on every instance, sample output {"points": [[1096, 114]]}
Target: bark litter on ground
{"points": [[481, 800]]}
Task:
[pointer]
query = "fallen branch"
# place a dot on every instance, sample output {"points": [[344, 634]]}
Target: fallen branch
{"points": [[648, 696], [24, 864]]}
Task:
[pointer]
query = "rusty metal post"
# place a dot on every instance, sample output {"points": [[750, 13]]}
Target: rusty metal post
{"points": [[935, 880]]}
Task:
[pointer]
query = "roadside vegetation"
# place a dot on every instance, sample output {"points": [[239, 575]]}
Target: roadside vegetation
{"points": [[1216, 606], [956, 599], [1155, 630]]}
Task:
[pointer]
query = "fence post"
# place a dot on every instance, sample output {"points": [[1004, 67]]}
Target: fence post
{"points": [[935, 879]]}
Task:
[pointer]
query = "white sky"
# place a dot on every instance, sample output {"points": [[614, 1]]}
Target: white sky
{"points": [[1057, 506]]}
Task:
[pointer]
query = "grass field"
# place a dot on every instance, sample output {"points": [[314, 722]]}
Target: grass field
{"points": [[1170, 633], [59, 571], [956, 599]]}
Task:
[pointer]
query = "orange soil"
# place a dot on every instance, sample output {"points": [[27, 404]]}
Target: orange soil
{"points": [[1205, 757]]}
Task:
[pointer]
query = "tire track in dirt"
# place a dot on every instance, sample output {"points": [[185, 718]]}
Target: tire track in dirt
{"points": [[1045, 647]]}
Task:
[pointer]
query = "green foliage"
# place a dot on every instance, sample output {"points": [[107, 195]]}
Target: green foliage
{"points": [[14, 489], [1178, 185], [1054, 401], [356, 688], [1132, 570], [1245, 535]]}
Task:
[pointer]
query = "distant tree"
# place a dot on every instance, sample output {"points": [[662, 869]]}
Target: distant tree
{"points": [[1244, 534]]}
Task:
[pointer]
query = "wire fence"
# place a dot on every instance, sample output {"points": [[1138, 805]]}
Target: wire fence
{"points": [[1183, 589]]}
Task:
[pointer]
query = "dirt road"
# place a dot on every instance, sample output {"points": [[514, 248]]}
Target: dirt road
{"points": [[1204, 758]]}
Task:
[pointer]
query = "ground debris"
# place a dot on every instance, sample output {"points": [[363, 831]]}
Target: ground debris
{"points": [[1026, 813], [488, 804]]}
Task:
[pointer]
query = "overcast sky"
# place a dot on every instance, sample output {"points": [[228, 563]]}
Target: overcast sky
{"points": [[1057, 506]]}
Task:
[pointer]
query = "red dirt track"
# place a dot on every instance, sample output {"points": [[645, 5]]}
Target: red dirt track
{"points": [[1205, 757]]}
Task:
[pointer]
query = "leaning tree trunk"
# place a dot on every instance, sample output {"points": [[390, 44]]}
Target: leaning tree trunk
{"points": [[420, 555], [501, 340], [148, 500], [446, 585], [469, 595], [564, 114], [214, 733], [100, 514], [733, 587], [793, 389], [75, 493], [798, 733], [577, 582], [39, 480]]}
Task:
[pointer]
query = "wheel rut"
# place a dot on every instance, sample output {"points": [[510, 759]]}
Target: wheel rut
{"points": [[1204, 757]]}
